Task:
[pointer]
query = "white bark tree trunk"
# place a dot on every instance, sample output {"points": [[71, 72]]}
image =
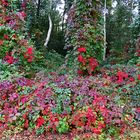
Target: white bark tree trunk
{"points": [[104, 54], [49, 31]]}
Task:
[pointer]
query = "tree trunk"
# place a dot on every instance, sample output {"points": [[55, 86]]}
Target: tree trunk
{"points": [[63, 18], [139, 8], [104, 54], [38, 8], [49, 31]]}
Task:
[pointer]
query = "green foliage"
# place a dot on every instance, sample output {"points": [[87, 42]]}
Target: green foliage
{"points": [[40, 130], [134, 60], [8, 72], [135, 28], [62, 100], [63, 126], [119, 34], [135, 135], [7, 45], [53, 61]]}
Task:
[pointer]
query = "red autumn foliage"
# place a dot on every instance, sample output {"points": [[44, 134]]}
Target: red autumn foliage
{"points": [[23, 14], [81, 59], [97, 131], [6, 37], [4, 2], [29, 54], [29, 51], [121, 75], [1, 42], [26, 124], [82, 49], [93, 63], [14, 36], [40, 121], [9, 59], [138, 76], [80, 72]]}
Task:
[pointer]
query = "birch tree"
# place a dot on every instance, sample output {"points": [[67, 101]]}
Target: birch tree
{"points": [[52, 4], [50, 24]]}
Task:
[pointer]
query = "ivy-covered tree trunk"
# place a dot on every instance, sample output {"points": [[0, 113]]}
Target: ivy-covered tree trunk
{"points": [[84, 34], [105, 47]]}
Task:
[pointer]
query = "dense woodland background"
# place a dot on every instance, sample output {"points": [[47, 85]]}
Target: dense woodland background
{"points": [[122, 26]]}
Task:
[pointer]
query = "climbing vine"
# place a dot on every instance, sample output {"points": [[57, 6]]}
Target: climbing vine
{"points": [[15, 48], [84, 35]]}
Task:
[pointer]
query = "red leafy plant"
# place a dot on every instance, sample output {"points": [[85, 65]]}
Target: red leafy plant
{"points": [[42, 105], [18, 49]]}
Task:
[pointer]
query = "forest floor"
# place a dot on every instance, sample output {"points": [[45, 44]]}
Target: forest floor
{"points": [[26, 135]]}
